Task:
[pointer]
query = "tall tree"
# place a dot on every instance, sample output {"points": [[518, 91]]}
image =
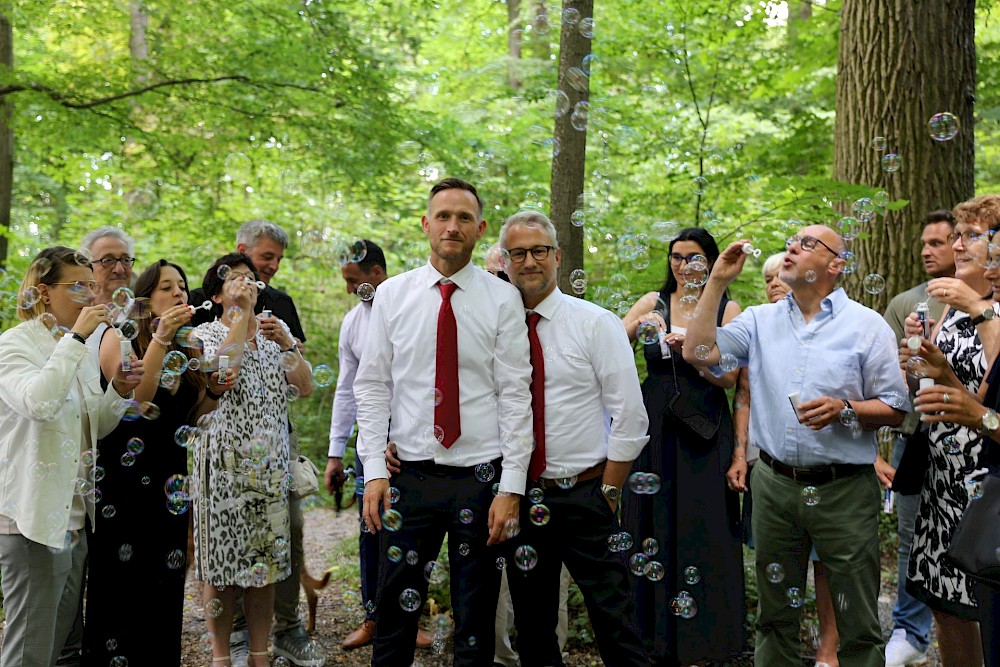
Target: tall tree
{"points": [[6, 131], [569, 164], [900, 63]]}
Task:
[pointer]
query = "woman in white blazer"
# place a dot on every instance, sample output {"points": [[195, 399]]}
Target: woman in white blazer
{"points": [[52, 415]]}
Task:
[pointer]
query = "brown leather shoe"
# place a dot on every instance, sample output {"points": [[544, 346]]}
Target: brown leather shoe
{"points": [[424, 638], [363, 636]]}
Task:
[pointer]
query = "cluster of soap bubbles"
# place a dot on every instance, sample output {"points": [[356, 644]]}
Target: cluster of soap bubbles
{"points": [[683, 605]]}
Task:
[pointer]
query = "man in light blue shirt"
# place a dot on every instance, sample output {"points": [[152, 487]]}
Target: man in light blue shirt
{"points": [[836, 361]]}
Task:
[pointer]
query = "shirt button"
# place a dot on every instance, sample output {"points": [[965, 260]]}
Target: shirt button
{"points": [[790, 429], [798, 371]]}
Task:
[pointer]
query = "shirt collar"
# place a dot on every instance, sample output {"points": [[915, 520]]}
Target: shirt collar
{"points": [[832, 303], [463, 277], [547, 308]]}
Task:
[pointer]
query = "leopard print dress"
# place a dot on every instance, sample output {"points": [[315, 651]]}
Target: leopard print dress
{"points": [[945, 493], [240, 476]]}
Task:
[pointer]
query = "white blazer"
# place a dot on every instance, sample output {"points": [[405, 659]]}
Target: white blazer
{"points": [[45, 387]]}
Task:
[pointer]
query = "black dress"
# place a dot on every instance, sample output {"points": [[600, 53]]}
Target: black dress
{"points": [[138, 549], [694, 518]]}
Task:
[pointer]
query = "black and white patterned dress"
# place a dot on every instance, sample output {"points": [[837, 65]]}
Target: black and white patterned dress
{"points": [[944, 495], [240, 478]]}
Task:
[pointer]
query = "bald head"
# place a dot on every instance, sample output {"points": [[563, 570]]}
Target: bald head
{"points": [[826, 235]]}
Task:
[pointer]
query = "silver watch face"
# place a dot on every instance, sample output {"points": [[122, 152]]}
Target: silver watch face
{"points": [[610, 492], [989, 314], [991, 422]]}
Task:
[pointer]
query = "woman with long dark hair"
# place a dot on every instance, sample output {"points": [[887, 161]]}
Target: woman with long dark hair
{"points": [[142, 519], [690, 604]]}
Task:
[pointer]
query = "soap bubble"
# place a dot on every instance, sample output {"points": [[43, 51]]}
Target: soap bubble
{"points": [[322, 375], [795, 598], [810, 496], [539, 514], [891, 163], [878, 144], [774, 573], [874, 283], [692, 575], [410, 600], [943, 126], [849, 228], [637, 563], [863, 209], [366, 291], [526, 557], [951, 445], [728, 363]]}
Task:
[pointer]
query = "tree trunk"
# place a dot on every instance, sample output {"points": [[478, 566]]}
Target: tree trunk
{"points": [[569, 166], [901, 62], [515, 31], [6, 132]]}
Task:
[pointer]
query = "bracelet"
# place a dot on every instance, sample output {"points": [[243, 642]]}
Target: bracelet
{"points": [[78, 337], [212, 395], [289, 349], [165, 343]]}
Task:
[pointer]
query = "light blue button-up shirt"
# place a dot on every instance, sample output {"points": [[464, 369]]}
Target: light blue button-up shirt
{"points": [[846, 352]]}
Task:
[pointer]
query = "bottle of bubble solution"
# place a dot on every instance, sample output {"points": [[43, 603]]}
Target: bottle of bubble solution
{"points": [[223, 368], [125, 348]]}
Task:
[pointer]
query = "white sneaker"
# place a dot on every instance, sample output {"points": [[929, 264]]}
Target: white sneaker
{"points": [[901, 653]]}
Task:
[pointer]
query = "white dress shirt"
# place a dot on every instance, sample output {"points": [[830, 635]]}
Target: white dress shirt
{"points": [[395, 380], [593, 403], [353, 333]]}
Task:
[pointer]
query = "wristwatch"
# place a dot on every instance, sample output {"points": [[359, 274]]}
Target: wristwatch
{"points": [[612, 492], [985, 316], [847, 414], [989, 423]]}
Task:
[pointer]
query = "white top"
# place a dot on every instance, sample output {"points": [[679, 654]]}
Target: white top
{"points": [[353, 334], [51, 394], [395, 379], [593, 404]]}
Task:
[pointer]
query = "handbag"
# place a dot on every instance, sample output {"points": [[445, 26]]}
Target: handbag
{"points": [[692, 412], [913, 465], [974, 541], [305, 477]]}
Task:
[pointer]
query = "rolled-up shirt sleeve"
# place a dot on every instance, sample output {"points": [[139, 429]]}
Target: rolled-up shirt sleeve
{"points": [[880, 370], [373, 393], [512, 375], [735, 338], [614, 365]]}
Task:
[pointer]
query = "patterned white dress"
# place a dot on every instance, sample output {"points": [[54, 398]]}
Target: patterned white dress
{"points": [[240, 476], [945, 492]]}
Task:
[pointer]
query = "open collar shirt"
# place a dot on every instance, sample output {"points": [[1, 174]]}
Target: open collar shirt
{"points": [[395, 380], [846, 352]]}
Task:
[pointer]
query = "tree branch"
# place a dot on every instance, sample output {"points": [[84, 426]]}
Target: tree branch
{"points": [[67, 102]]}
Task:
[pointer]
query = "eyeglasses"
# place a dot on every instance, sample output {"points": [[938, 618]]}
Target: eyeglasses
{"points": [[109, 262], [538, 253], [808, 243], [81, 284], [677, 258], [967, 237]]}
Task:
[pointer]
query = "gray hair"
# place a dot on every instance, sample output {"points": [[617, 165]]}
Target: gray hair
{"points": [[772, 263], [251, 232], [101, 232], [527, 218]]}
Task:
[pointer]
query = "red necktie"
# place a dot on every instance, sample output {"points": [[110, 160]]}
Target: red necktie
{"points": [[446, 412], [537, 465]]}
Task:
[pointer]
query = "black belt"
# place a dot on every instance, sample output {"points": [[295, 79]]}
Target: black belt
{"points": [[588, 474], [814, 474], [428, 466]]}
